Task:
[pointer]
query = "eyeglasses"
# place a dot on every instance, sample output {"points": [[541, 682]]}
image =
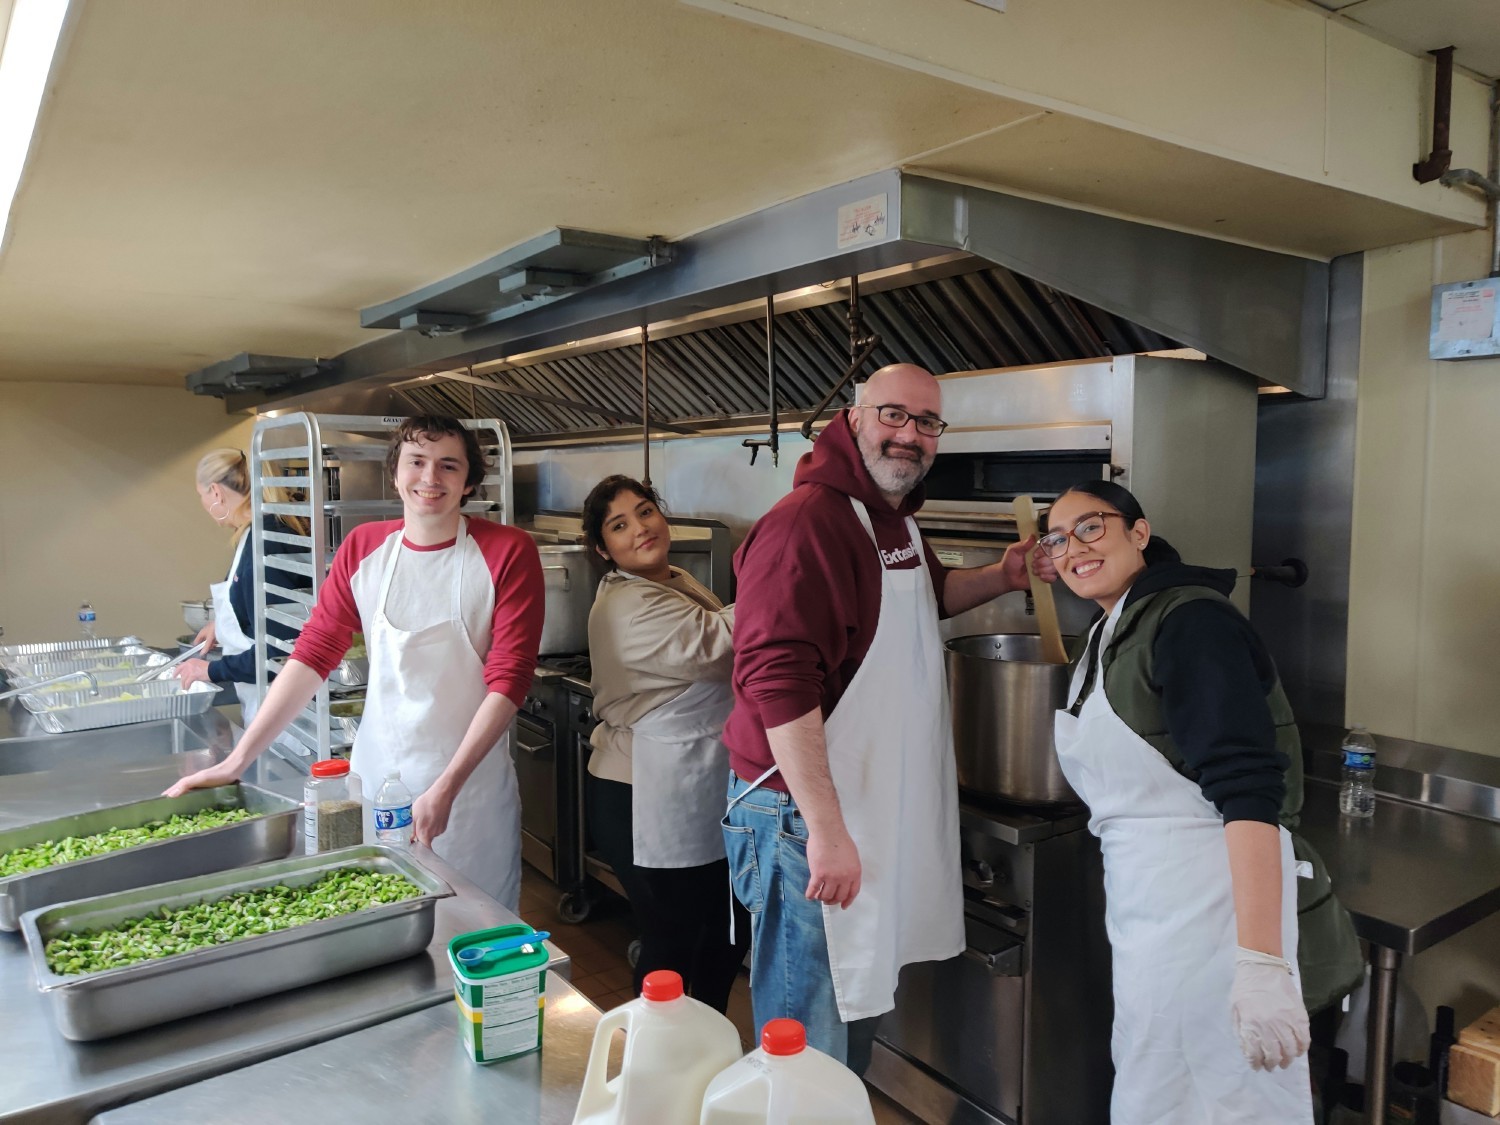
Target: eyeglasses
{"points": [[895, 418], [1089, 529]]}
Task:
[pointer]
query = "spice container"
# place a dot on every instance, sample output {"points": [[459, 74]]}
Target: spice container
{"points": [[330, 820], [501, 1001]]}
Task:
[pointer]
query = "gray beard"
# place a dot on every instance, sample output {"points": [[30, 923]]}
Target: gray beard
{"points": [[893, 476]]}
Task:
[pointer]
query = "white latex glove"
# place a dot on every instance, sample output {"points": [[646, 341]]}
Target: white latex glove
{"points": [[1266, 1006]]}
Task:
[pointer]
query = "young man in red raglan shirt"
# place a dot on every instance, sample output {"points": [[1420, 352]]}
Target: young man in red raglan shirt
{"points": [[451, 609]]}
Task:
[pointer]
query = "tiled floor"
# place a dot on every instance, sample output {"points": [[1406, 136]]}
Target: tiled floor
{"points": [[601, 968]]}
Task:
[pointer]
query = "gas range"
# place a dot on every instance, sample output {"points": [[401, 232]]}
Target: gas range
{"points": [[1031, 991], [550, 749]]}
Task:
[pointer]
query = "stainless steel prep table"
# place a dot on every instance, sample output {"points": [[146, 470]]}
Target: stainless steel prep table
{"points": [[49, 1079], [1410, 876], [415, 1062]]}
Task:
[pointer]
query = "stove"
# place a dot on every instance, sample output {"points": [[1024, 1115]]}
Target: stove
{"points": [[1015, 1030], [549, 772]]}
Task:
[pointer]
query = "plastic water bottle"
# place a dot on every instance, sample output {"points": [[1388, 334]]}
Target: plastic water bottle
{"points": [[86, 619], [1357, 795], [393, 812]]}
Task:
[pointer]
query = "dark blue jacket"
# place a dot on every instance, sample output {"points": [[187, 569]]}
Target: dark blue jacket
{"points": [[240, 668]]}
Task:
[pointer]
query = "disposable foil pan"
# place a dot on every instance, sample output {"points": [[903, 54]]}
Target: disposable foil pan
{"points": [[159, 699], [98, 1005], [110, 671], [132, 659], [84, 644], [272, 833]]}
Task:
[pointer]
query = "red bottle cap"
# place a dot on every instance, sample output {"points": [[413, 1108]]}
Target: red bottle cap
{"points": [[663, 984], [783, 1037], [333, 767]]}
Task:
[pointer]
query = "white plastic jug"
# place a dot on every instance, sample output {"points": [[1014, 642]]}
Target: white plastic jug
{"points": [[786, 1082], [674, 1045]]}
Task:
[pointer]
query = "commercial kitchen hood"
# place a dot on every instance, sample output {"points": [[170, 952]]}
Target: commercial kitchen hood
{"points": [[953, 276]]}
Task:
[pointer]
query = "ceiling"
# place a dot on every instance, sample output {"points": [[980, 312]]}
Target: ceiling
{"points": [[209, 179], [1419, 26]]}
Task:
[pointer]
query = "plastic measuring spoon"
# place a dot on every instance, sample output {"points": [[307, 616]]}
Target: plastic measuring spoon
{"points": [[473, 955]]}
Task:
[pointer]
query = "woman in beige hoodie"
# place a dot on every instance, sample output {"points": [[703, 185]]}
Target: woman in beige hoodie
{"points": [[661, 649]]}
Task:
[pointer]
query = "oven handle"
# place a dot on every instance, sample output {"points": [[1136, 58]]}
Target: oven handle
{"points": [[996, 950], [567, 580]]}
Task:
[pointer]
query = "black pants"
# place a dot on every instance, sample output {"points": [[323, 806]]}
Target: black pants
{"points": [[682, 912]]}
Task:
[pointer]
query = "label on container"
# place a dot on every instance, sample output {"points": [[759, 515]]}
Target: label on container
{"points": [[1359, 759], [310, 827], [510, 1020], [393, 818]]}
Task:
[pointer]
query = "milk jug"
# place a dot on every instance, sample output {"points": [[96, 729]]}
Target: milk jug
{"points": [[674, 1045], [786, 1082]]}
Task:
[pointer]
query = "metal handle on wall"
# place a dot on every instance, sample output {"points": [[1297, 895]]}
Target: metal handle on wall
{"points": [[567, 575]]}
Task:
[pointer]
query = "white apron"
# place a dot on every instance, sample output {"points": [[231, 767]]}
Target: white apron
{"points": [[1169, 910], [228, 635], [424, 690], [677, 773]]}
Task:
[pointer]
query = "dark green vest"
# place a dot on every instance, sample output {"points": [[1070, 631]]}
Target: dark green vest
{"points": [[1327, 950]]}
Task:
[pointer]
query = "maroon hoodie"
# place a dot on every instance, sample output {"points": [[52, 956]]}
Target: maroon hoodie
{"points": [[808, 595]]}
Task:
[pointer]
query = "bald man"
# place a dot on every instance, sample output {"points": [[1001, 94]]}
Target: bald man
{"points": [[842, 829]]}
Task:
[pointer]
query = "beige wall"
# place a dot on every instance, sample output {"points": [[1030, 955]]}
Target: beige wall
{"points": [[1424, 604], [97, 503]]}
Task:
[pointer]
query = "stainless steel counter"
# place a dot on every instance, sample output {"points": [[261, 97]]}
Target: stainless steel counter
{"points": [[1412, 874], [47, 1078], [352, 1078]]}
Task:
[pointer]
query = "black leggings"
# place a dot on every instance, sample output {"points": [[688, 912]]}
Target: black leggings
{"points": [[682, 912]]}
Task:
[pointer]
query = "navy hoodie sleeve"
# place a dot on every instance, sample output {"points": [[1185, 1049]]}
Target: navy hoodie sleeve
{"points": [[1213, 674], [240, 668]]}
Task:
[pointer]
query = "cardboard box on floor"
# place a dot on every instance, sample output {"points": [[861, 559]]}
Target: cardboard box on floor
{"points": [[1474, 1065]]}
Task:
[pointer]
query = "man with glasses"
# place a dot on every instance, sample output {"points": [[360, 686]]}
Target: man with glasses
{"points": [[842, 827]]}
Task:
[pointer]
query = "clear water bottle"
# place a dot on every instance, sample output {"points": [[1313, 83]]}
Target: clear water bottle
{"points": [[86, 620], [393, 812], [1357, 795]]}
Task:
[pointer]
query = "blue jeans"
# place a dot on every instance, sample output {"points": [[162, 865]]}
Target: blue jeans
{"points": [[766, 840]]}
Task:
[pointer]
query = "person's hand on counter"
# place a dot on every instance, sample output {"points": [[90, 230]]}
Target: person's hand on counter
{"points": [[192, 672], [222, 774]]}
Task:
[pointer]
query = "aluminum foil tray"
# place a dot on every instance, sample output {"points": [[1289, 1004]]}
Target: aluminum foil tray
{"points": [[65, 712], [134, 659], [62, 648], [271, 834], [99, 1005]]}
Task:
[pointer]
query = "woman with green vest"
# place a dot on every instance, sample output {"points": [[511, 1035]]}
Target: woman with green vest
{"points": [[1180, 740]]}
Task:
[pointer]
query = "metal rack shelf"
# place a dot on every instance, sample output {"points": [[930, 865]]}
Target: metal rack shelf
{"points": [[328, 469]]}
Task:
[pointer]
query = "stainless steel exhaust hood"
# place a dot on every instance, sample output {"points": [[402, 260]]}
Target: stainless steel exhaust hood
{"points": [[1070, 284]]}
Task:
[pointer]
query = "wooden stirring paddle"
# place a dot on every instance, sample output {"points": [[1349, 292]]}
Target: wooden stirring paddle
{"points": [[1053, 651]]}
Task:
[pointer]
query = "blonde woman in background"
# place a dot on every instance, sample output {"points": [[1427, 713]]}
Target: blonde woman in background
{"points": [[223, 481]]}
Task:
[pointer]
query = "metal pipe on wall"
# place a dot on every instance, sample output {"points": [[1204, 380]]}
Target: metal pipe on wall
{"points": [[1442, 105], [645, 410]]}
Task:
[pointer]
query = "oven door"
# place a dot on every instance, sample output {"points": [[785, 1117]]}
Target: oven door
{"points": [[964, 1019], [535, 753]]}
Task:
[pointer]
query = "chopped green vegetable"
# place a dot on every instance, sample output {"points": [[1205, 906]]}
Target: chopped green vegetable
{"points": [[50, 853], [167, 931]]}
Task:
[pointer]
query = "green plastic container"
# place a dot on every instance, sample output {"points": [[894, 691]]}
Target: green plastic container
{"points": [[500, 1005]]}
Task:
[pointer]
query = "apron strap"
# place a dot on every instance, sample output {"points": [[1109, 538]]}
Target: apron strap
{"points": [[754, 785], [1091, 670]]}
